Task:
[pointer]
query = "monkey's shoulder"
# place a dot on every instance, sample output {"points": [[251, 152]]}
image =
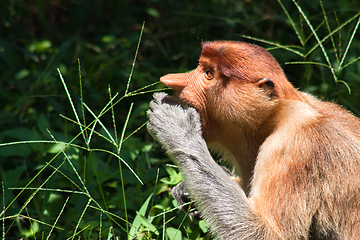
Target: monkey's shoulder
{"points": [[312, 138], [313, 131], [314, 113]]}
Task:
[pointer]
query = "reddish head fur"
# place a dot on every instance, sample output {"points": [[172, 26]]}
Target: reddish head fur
{"points": [[247, 63], [237, 68]]}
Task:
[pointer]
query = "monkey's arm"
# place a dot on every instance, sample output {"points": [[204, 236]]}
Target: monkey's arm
{"points": [[183, 197], [221, 202]]}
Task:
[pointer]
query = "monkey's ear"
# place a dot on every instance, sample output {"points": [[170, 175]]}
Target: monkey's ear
{"points": [[267, 86]]}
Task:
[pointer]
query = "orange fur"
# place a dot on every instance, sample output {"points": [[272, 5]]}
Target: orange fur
{"points": [[299, 157]]}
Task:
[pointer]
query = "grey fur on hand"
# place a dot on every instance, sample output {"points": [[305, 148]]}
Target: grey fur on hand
{"points": [[173, 125]]}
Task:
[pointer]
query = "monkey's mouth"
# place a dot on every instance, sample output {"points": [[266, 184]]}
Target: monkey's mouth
{"points": [[182, 102]]}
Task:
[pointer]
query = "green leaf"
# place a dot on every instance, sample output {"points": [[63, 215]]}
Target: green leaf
{"points": [[34, 228], [13, 176], [23, 73], [175, 177], [204, 226], [137, 221], [108, 38], [17, 133], [43, 124], [145, 222], [153, 12], [21, 150], [173, 233], [57, 147]]}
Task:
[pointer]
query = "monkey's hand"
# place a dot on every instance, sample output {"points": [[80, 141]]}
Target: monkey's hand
{"points": [[183, 198], [219, 199], [176, 127]]}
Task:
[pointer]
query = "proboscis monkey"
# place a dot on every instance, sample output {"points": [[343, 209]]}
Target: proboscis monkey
{"points": [[299, 157]]}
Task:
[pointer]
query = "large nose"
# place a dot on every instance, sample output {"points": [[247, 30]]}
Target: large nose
{"points": [[175, 81]]}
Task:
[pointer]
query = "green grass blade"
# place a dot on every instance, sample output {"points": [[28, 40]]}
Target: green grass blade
{"points": [[57, 219], [274, 44], [124, 128], [292, 23], [101, 124], [32, 195], [113, 114], [317, 39], [316, 29], [3, 211], [329, 29], [100, 227], [350, 41], [332, 33], [71, 103], [356, 59], [309, 62], [82, 100], [133, 64], [120, 170], [137, 221], [86, 127], [72, 166], [81, 217]]}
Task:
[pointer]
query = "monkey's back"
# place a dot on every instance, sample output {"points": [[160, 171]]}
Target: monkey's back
{"points": [[323, 174]]}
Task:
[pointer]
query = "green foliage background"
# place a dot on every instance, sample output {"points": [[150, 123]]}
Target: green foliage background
{"points": [[113, 180]]}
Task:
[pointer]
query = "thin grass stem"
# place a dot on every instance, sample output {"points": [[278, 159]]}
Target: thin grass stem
{"points": [[133, 64], [350, 41], [82, 101], [71, 103], [81, 217], [58, 217], [292, 23]]}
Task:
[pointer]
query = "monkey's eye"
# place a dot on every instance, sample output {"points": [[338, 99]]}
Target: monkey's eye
{"points": [[209, 74]]}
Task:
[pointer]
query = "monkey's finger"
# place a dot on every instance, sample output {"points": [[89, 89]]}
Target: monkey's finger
{"points": [[159, 96], [162, 97], [159, 99]]}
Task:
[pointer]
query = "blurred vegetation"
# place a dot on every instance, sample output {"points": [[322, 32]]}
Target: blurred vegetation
{"points": [[56, 190]]}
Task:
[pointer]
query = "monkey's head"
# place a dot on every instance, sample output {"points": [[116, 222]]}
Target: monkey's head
{"points": [[235, 83]]}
